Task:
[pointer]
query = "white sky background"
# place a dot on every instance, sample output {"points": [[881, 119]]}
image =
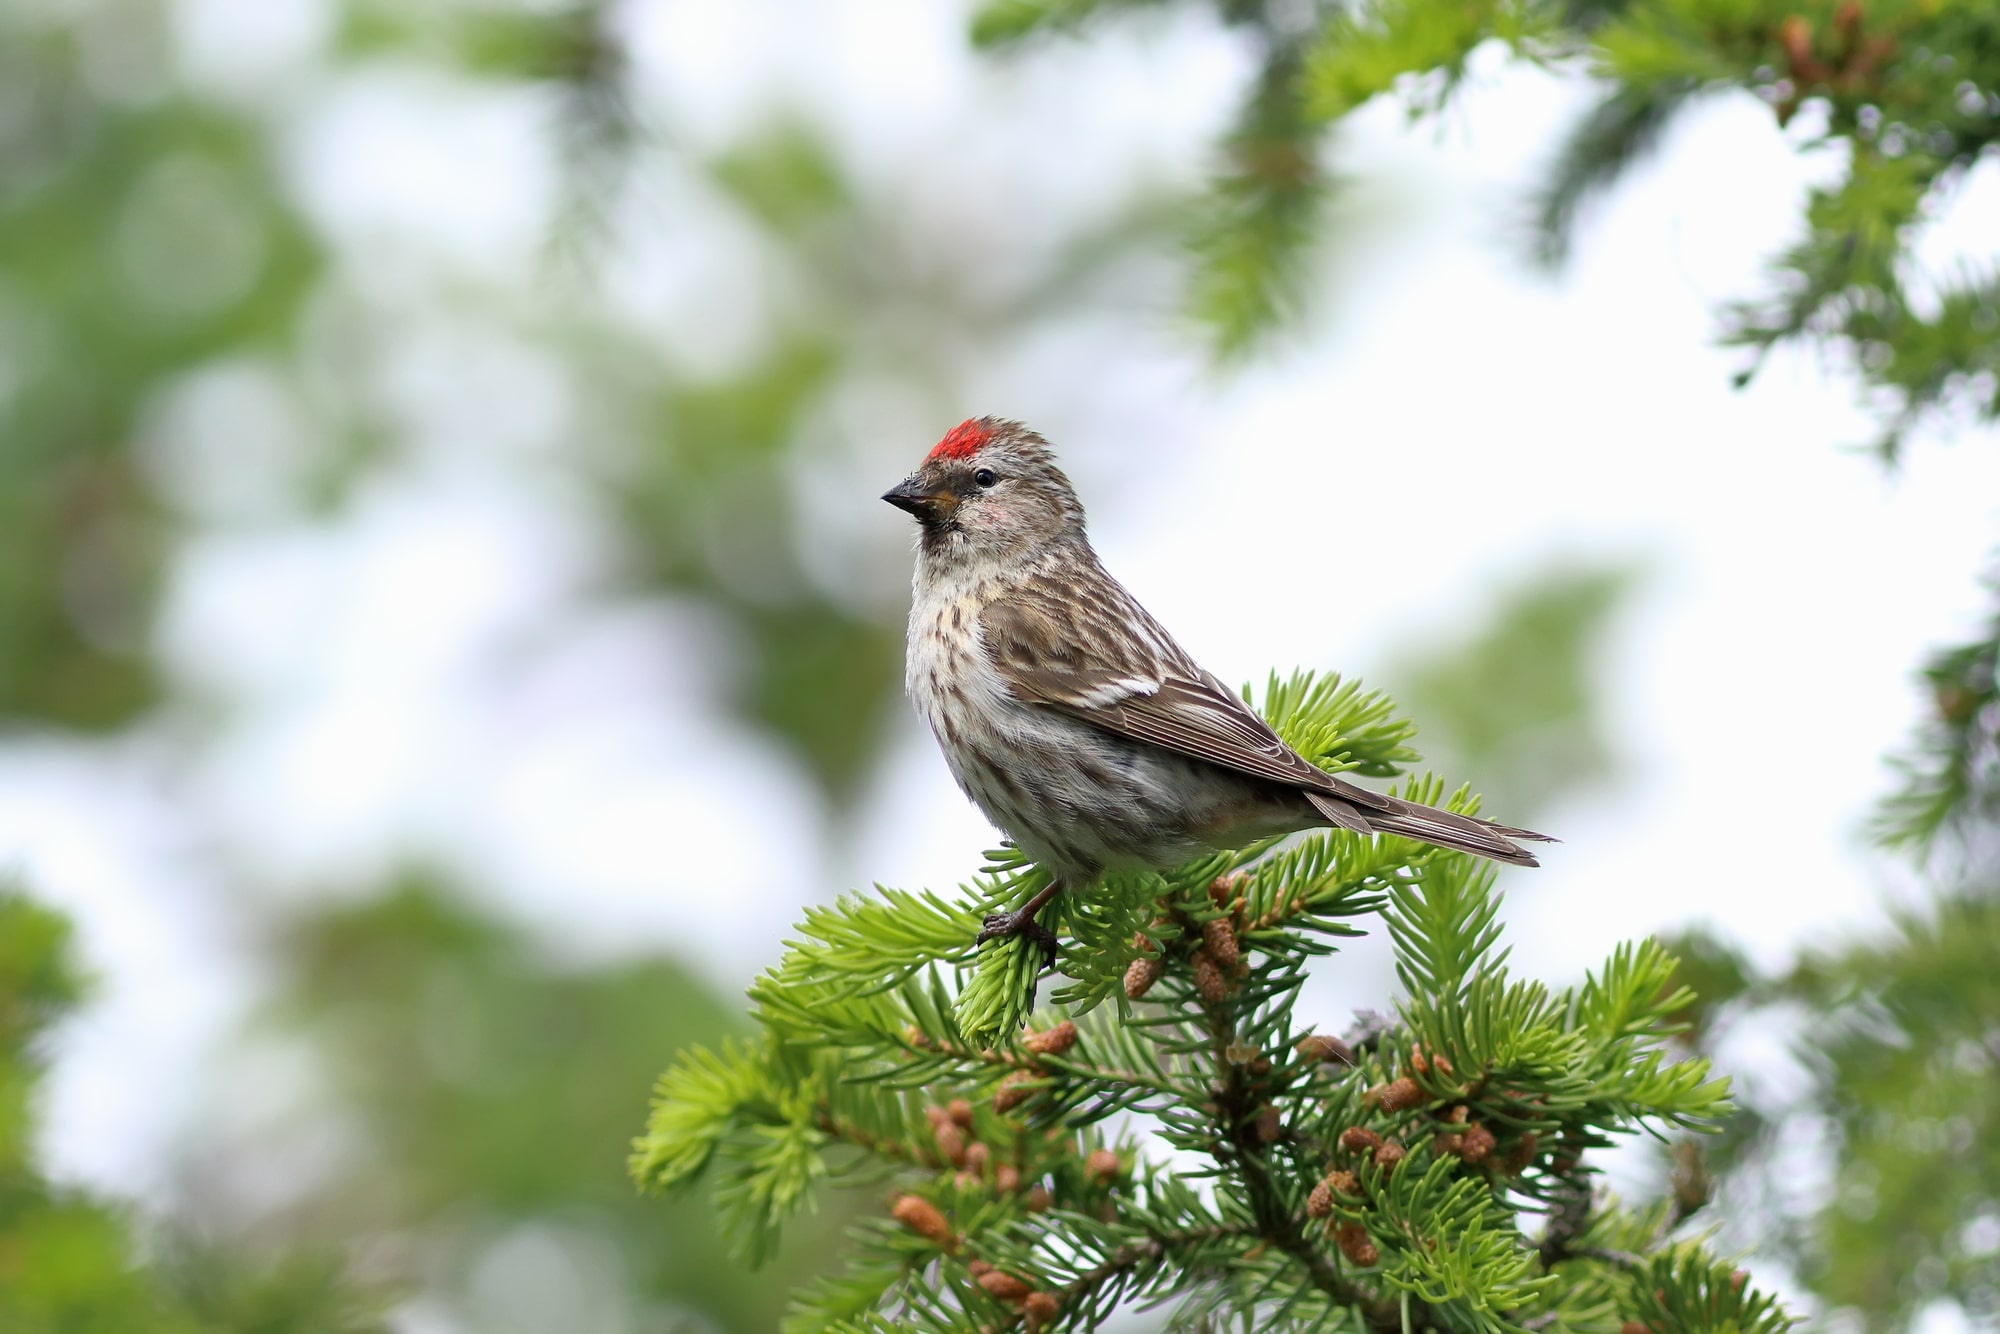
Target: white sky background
{"points": [[419, 677]]}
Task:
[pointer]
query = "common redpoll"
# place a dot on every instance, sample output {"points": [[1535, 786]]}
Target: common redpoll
{"points": [[1071, 718]]}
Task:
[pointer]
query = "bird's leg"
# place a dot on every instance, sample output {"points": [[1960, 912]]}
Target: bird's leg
{"points": [[1021, 922]]}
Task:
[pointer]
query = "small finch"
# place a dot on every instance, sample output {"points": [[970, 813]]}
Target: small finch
{"points": [[1071, 718]]}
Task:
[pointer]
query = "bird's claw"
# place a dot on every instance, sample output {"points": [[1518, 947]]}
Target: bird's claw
{"points": [[1000, 925]]}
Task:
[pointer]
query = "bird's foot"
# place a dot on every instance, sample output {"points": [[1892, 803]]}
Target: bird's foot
{"points": [[1020, 922]]}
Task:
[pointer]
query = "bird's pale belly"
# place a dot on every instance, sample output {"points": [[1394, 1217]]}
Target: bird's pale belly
{"points": [[1074, 797], [1082, 800]]}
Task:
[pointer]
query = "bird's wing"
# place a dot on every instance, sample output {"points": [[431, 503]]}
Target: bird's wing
{"points": [[1101, 659], [1091, 651]]}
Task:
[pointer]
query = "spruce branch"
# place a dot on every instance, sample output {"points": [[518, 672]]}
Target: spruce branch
{"points": [[1910, 96], [1951, 776], [1004, 22], [1385, 1183], [1604, 145], [1256, 228]]}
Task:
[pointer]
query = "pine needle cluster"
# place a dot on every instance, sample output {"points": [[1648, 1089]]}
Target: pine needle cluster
{"points": [[1905, 93], [1165, 1129], [1950, 790]]}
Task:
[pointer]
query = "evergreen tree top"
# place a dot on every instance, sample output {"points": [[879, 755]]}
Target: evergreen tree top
{"points": [[1167, 1129]]}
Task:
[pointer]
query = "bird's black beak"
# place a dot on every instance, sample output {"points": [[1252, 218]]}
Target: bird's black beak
{"points": [[931, 504]]}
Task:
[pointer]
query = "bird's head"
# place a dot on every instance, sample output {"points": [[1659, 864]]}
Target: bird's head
{"points": [[989, 489]]}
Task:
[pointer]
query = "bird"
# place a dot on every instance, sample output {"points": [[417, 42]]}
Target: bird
{"points": [[1071, 718]]}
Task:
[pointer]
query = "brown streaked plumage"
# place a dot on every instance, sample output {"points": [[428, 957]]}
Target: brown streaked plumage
{"points": [[1071, 717]]}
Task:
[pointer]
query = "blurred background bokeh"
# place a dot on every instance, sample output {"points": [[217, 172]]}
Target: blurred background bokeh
{"points": [[448, 629]]}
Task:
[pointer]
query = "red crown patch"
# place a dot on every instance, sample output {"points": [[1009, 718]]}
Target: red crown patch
{"points": [[962, 441]]}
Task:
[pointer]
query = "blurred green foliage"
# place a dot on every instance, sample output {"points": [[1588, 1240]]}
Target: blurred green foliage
{"points": [[70, 1264], [137, 243], [1895, 1032], [1905, 1050], [494, 1091], [159, 230], [1950, 789], [38, 982], [1907, 92], [1896, 1036], [1513, 703], [151, 235]]}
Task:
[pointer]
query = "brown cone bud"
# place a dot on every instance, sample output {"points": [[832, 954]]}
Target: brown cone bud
{"points": [[1522, 1154], [1226, 889], [1038, 1199], [1040, 1308], [1448, 1144], [1013, 1091], [1390, 1154], [937, 1116], [1320, 1203], [1690, 1179], [1218, 937], [1004, 1287], [1320, 1047], [963, 1180], [977, 1267], [960, 1111], [1269, 1124], [1478, 1143], [1359, 1139], [950, 1143], [1442, 1063], [1007, 1179], [977, 1157], [1398, 1095], [1052, 1041], [1208, 983], [1140, 975], [1343, 1183], [1417, 1061], [1103, 1165], [1352, 1238], [920, 1216], [1458, 1114], [1635, 1327]]}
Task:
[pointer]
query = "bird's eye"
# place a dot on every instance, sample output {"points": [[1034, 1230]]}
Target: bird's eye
{"points": [[985, 477]]}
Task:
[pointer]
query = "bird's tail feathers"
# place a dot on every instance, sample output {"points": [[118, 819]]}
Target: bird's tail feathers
{"points": [[1428, 824]]}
